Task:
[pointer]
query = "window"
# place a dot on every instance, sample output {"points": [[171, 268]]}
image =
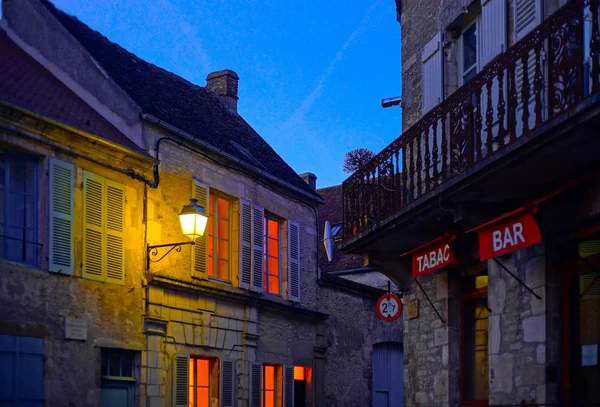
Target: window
{"points": [[103, 229], [219, 231], [203, 387], [271, 254], [117, 363], [269, 388], [302, 385], [19, 207], [468, 50]]}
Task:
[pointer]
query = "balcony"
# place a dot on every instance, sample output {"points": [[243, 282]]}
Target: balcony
{"points": [[543, 90]]}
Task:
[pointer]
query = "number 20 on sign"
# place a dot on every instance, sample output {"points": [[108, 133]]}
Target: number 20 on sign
{"points": [[389, 307]]}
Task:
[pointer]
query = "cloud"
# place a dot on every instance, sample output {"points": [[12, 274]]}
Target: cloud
{"points": [[297, 117]]}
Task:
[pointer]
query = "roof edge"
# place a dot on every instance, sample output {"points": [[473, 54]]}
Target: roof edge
{"points": [[169, 127]]}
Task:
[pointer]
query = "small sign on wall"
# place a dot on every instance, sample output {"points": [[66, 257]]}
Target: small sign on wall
{"points": [[413, 309], [75, 329]]}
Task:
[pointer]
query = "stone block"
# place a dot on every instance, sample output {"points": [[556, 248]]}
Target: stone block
{"points": [[188, 331], [421, 397], [534, 329], [155, 376], [445, 355], [155, 343], [441, 285], [541, 354], [535, 276], [155, 401], [497, 295], [540, 394], [153, 390], [440, 386], [538, 306], [152, 358], [501, 373], [535, 375], [495, 335], [211, 305], [177, 332], [440, 336]]}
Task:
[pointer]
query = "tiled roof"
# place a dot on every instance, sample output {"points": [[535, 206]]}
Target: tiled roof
{"points": [[332, 211], [29, 85], [172, 99]]}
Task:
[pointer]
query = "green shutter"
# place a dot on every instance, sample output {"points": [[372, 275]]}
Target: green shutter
{"points": [[114, 232], [60, 251], [201, 192], [94, 262]]}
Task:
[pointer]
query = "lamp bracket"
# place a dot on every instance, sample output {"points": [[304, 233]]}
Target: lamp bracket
{"points": [[153, 251]]}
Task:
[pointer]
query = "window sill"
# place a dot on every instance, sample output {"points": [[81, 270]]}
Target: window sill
{"points": [[119, 378]]}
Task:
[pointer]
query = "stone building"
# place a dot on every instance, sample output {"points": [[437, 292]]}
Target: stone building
{"points": [[485, 210], [104, 300]]}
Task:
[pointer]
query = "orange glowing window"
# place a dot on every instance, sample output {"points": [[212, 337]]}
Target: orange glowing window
{"points": [[268, 386], [299, 373], [219, 210], [271, 280], [199, 382]]}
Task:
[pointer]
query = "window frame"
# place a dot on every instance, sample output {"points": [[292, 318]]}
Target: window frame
{"points": [[461, 69], [121, 353], [213, 387], [270, 217], [475, 294], [276, 390], [214, 221], [22, 157]]}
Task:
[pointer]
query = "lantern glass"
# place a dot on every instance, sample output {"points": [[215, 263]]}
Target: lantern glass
{"points": [[193, 220]]}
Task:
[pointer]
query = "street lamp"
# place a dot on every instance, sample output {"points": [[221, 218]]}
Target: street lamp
{"points": [[193, 221]]}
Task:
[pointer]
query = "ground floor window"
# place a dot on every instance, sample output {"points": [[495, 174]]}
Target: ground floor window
{"points": [[118, 378], [269, 387], [302, 385], [203, 384]]}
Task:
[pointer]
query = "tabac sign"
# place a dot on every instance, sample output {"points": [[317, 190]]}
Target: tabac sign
{"points": [[432, 256], [508, 233]]}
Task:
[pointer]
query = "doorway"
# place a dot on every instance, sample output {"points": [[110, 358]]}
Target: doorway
{"points": [[388, 375]]}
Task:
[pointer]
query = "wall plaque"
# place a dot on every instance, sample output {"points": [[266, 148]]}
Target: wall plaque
{"points": [[75, 329], [413, 309]]}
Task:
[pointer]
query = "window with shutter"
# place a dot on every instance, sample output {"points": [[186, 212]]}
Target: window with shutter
{"points": [[61, 217], [201, 191], [271, 255], [256, 385], [258, 214], [288, 386], [245, 243], [432, 76], [103, 229], [227, 383], [293, 261], [180, 381]]}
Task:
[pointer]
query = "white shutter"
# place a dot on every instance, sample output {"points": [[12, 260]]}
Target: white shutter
{"points": [[227, 383], [432, 77], [245, 243], [60, 250], [258, 236], [256, 385], [293, 261], [528, 14], [180, 380], [115, 225], [493, 30], [288, 386], [94, 264], [201, 192]]}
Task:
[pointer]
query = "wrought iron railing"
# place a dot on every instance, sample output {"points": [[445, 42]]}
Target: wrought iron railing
{"points": [[551, 70]]}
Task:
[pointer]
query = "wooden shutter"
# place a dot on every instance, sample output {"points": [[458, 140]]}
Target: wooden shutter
{"points": [[180, 381], [115, 232], [227, 383], [288, 386], [200, 263], [256, 385], [60, 250], [432, 74], [528, 14], [245, 243], [293, 261], [493, 30], [258, 236], [94, 264]]}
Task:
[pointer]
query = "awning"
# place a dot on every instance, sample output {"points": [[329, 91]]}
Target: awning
{"points": [[432, 256], [513, 231]]}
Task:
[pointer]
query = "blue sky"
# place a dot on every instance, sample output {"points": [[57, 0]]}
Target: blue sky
{"points": [[312, 73]]}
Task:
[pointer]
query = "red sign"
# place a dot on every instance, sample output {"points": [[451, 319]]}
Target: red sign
{"points": [[389, 307], [432, 256], [508, 233]]}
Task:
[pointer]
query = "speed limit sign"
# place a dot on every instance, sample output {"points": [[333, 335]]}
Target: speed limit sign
{"points": [[389, 307]]}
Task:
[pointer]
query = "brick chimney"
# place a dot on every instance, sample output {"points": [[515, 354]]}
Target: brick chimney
{"points": [[225, 84], [310, 179]]}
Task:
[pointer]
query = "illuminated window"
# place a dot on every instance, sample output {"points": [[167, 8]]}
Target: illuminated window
{"points": [[475, 348], [202, 387], [271, 280], [302, 384], [219, 251], [268, 386]]}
